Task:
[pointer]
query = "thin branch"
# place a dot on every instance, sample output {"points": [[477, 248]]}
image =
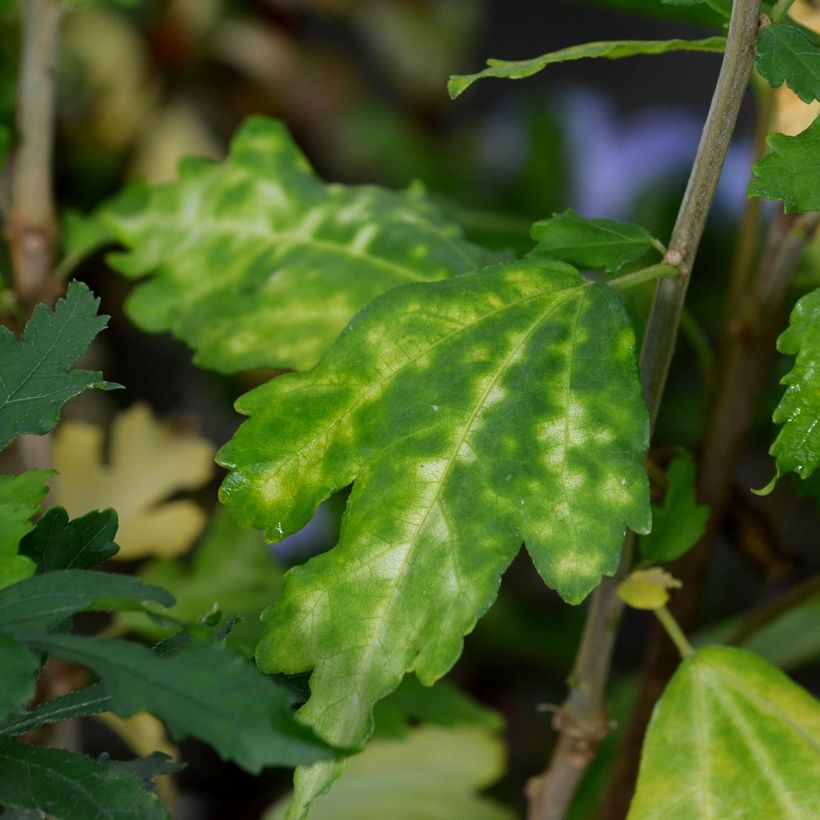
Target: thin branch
{"points": [[582, 720]]}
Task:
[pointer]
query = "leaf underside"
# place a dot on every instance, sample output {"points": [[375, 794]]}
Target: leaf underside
{"points": [[473, 414], [790, 54], [255, 261], [609, 50], [731, 736]]}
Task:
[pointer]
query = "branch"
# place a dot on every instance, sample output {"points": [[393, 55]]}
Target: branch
{"points": [[582, 720]]}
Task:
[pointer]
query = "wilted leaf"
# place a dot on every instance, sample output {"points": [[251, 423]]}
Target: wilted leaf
{"points": [[610, 50], [797, 446], [680, 521], [790, 171], [36, 375], [257, 262], [204, 690], [790, 54], [69, 786], [57, 543], [731, 736], [432, 773], [19, 670], [148, 461], [474, 413], [20, 500]]}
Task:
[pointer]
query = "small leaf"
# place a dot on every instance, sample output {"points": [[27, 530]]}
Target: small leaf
{"points": [[36, 375], [790, 171], [19, 671], [592, 243], [57, 543], [45, 601], [797, 446], [647, 588], [204, 690], [255, 261], [83, 703], [148, 461], [69, 786], [679, 523], [731, 736], [433, 773], [610, 50], [20, 499], [790, 54]]}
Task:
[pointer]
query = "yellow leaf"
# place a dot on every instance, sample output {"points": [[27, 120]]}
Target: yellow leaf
{"points": [[647, 588], [149, 461]]}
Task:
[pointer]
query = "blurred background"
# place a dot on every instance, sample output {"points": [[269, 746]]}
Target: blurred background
{"points": [[362, 86]]}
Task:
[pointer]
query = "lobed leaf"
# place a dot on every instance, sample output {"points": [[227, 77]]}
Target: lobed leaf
{"points": [[70, 786], [20, 669], [731, 736], [609, 50], [255, 261], [790, 54], [21, 497], [797, 446], [36, 375], [790, 171], [204, 690], [473, 414], [592, 243]]}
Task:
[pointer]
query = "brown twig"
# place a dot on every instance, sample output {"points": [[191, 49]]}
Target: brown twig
{"points": [[582, 720]]}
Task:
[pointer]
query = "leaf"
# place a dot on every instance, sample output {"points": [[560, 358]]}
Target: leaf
{"points": [[256, 262], [434, 773], [731, 736], [20, 670], [57, 543], [84, 702], [647, 588], [20, 499], [790, 171], [679, 523], [790, 54], [609, 50], [474, 413], [797, 446], [148, 461], [232, 569], [36, 375], [204, 691], [45, 601], [592, 243], [69, 786]]}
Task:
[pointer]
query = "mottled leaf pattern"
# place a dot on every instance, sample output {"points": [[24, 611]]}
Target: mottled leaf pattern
{"points": [[731, 736], [473, 414], [790, 54], [256, 261], [609, 50]]}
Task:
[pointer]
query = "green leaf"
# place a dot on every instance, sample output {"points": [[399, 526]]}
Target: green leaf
{"points": [[790, 54], [434, 773], [679, 523], [609, 50], [20, 669], [20, 499], [69, 786], [232, 569], [84, 702], [473, 413], [592, 243], [797, 446], [36, 375], [46, 601], [57, 543], [204, 690], [731, 736], [790, 171], [257, 262]]}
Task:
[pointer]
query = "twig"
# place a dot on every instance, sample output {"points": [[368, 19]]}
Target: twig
{"points": [[582, 720]]}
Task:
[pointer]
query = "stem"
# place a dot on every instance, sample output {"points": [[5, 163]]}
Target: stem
{"points": [[582, 720], [674, 631]]}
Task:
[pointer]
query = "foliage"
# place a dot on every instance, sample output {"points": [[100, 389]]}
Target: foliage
{"points": [[790, 54], [20, 500]]}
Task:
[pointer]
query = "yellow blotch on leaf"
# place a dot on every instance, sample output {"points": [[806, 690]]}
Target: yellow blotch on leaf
{"points": [[148, 462], [647, 588]]}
